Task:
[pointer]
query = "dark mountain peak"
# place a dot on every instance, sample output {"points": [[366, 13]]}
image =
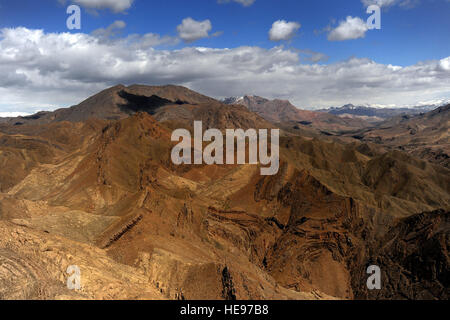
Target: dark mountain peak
{"points": [[118, 102]]}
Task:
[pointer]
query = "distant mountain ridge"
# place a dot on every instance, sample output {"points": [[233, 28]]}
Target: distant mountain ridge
{"points": [[282, 111], [372, 114], [425, 135]]}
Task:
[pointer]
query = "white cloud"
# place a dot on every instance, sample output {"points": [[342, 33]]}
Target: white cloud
{"points": [[389, 3], [444, 64], [245, 3], [283, 30], [350, 29], [380, 3], [313, 56], [41, 69], [146, 41], [111, 31], [190, 30], [134, 41], [13, 114], [114, 5]]}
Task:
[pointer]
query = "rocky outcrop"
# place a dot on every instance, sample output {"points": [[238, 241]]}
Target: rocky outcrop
{"points": [[414, 260], [34, 265]]}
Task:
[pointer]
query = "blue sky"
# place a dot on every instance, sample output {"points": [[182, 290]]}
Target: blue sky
{"points": [[413, 33], [427, 23]]}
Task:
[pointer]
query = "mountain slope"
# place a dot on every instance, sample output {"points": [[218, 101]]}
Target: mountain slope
{"points": [[415, 241], [425, 136]]}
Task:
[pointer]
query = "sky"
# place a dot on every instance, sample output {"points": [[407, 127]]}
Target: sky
{"points": [[317, 54]]}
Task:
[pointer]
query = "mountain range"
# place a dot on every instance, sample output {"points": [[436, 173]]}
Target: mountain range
{"points": [[93, 186], [374, 115], [282, 111]]}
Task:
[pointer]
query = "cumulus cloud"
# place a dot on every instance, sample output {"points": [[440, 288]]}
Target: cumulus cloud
{"points": [[146, 41], [42, 70], [191, 30], [245, 3], [389, 3], [444, 64], [134, 41], [380, 3], [111, 31], [114, 5], [283, 30], [313, 56], [350, 29]]}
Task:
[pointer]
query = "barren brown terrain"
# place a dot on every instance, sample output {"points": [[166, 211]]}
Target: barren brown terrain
{"points": [[94, 186], [425, 136]]}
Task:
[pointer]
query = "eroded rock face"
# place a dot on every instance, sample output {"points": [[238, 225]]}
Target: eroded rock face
{"points": [[20, 278], [180, 278], [318, 234], [34, 266], [414, 259], [327, 241]]}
